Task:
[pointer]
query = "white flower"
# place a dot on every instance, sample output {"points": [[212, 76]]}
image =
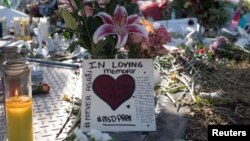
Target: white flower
{"points": [[96, 134], [80, 136], [106, 137]]}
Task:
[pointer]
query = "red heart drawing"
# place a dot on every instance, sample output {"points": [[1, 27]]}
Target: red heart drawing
{"points": [[114, 92]]}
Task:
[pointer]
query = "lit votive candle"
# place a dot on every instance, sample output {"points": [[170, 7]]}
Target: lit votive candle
{"points": [[18, 100], [19, 118]]}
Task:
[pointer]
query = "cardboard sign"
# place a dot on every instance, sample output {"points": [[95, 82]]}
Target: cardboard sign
{"points": [[118, 95]]}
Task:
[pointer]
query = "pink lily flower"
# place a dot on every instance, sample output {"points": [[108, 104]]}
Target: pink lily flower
{"points": [[120, 24]]}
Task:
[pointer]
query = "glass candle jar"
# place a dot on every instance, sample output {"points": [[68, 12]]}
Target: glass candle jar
{"points": [[18, 100], [7, 53]]}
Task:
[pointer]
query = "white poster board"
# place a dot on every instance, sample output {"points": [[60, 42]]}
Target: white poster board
{"points": [[180, 26], [118, 95]]}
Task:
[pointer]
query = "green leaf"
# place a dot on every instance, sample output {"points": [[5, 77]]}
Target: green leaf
{"points": [[79, 4], [109, 8], [93, 23], [6, 3], [73, 46], [105, 48], [67, 34], [71, 137], [99, 50], [69, 20], [132, 8]]}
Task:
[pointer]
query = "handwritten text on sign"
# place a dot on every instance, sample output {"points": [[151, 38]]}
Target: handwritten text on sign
{"points": [[118, 95]]}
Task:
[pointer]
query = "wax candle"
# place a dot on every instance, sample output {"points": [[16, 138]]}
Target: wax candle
{"points": [[19, 118], [43, 28], [18, 100], [26, 28], [17, 28]]}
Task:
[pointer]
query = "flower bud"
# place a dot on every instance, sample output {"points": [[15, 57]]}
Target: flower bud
{"points": [[69, 20]]}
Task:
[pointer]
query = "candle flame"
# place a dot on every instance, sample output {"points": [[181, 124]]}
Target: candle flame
{"points": [[16, 92]]}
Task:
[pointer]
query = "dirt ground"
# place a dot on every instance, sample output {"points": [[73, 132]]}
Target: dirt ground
{"points": [[232, 78]]}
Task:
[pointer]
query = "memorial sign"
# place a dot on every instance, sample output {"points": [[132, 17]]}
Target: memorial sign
{"points": [[118, 95]]}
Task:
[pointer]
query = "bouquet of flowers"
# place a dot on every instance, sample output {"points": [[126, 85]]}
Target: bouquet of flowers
{"points": [[102, 28], [141, 47]]}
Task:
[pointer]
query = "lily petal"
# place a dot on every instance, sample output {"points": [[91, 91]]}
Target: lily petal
{"points": [[120, 16], [102, 31], [121, 24], [122, 39], [138, 29], [132, 19], [106, 18]]}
